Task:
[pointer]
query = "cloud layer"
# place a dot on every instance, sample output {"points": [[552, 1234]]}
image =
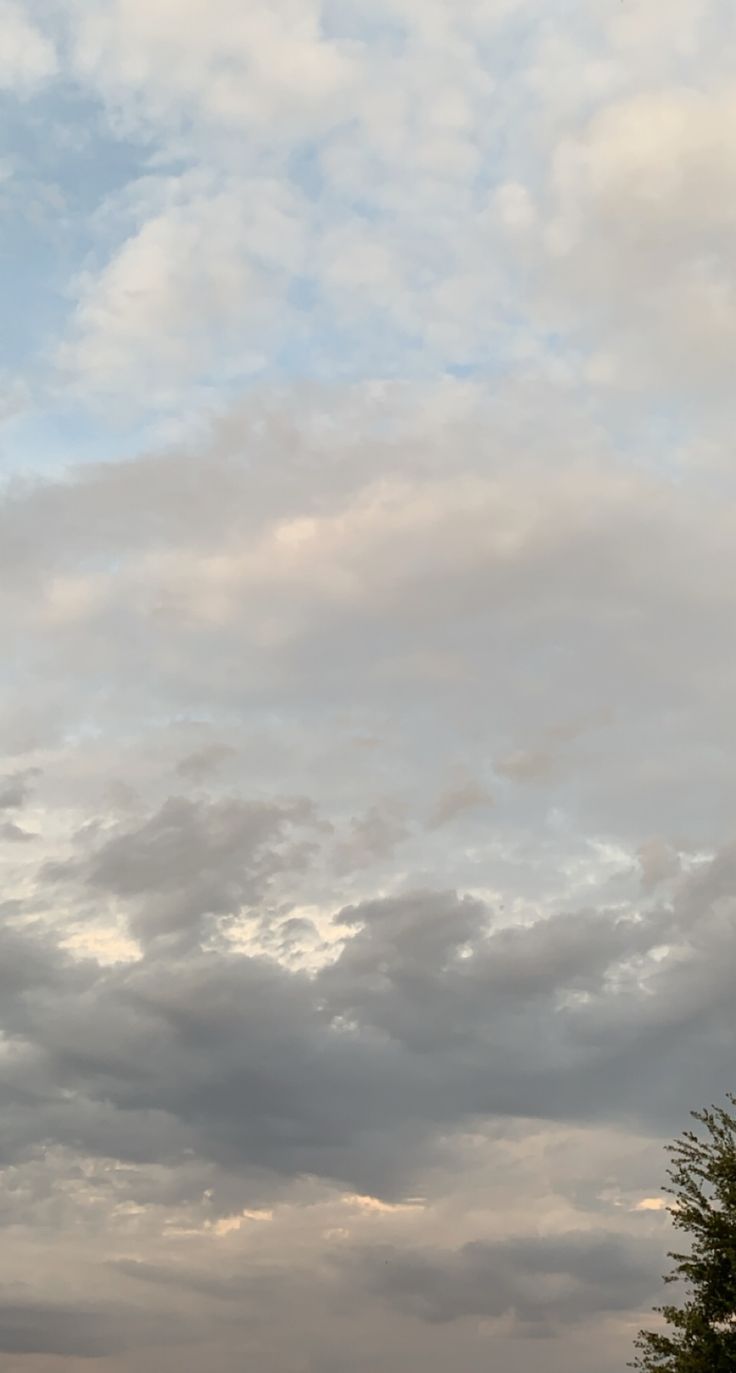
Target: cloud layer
{"points": [[366, 758]]}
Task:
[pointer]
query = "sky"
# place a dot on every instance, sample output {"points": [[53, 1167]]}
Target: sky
{"points": [[367, 591]]}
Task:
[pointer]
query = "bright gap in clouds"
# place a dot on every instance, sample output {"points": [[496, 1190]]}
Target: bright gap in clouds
{"points": [[367, 779]]}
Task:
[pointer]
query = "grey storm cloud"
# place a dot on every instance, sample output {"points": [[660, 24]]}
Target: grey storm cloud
{"points": [[222, 1288], [67, 1331], [200, 764], [16, 788], [15, 834], [543, 1282], [427, 1019], [193, 859]]}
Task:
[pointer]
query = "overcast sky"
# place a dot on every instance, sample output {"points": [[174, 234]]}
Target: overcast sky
{"points": [[367, 590]]}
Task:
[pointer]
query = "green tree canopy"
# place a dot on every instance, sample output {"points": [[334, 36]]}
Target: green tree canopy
{"points": [[700, 1333]]}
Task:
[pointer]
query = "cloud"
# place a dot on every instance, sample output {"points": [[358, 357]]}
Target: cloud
{"points": [[199, 273], [353, 1072], [215, 579], [371, 837], [15, 789], [28, 57], [368, 688], [458, 798], [224, 1289], [200, 764], [651, 1204], [541, 1282], [290, 233], [229, 67], [491, 192], [14, 834], [526, 766], [67, 1332], [193, 859], [658, 862], [197, 1067], [635, 246]]}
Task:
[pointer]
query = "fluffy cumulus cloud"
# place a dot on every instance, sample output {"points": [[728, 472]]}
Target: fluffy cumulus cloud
{"points": [[366, 755], [28, 58]]}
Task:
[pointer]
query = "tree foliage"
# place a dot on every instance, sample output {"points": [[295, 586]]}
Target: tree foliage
{"points": [[700, 1333]]}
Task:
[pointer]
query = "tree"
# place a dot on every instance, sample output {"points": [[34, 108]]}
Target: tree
{"points": [[702, 1330]]}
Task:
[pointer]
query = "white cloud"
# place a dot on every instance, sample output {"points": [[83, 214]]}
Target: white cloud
{"points": [[195, 285], [27, 57], [394, 236], [265, 67], [449, 186], [636, 247]]}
